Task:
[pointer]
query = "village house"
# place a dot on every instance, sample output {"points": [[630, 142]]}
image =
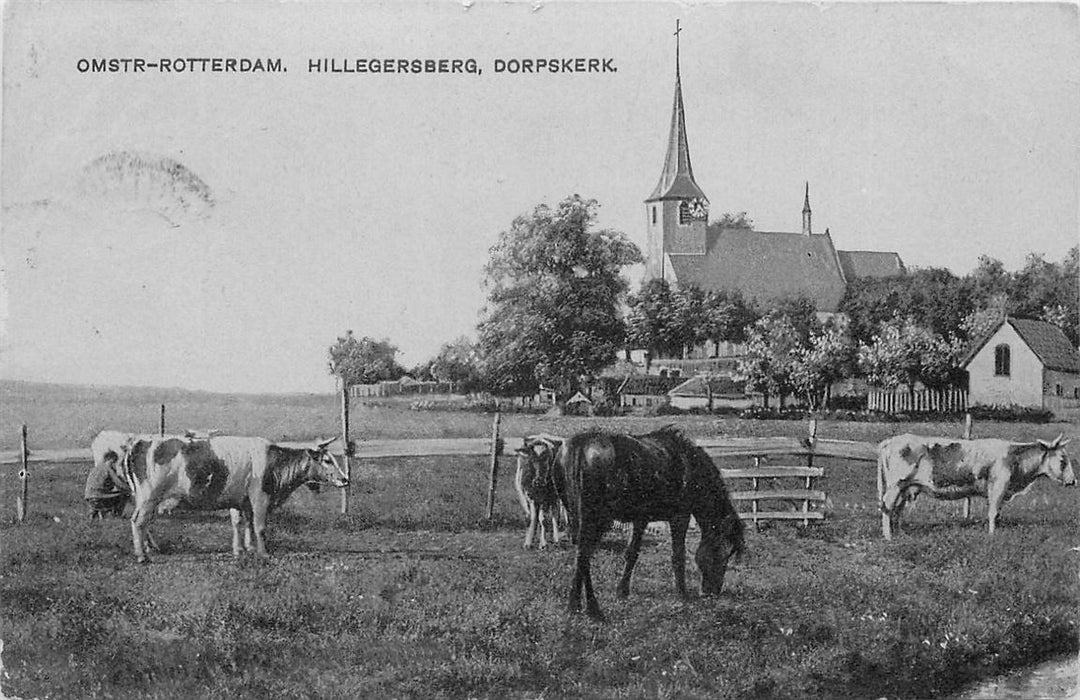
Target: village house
{"points": [[710, 393], [1024, 362]]}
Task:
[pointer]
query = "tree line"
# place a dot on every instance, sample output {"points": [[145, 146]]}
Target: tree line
{"points": [[559, 310]]}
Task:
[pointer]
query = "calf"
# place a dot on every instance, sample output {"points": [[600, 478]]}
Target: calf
{"points": [[995, 469], [536, 488]]}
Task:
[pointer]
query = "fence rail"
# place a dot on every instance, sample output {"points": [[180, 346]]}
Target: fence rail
{"points": [[922, 401], [765, 487]]}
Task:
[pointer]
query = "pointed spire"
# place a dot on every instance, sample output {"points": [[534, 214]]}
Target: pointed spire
{"points": [[806, 212], [677, 177]]}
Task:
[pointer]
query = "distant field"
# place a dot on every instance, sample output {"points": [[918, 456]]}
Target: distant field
{"points": [[414, 594]]}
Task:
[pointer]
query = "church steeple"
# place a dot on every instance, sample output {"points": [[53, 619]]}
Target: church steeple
{"points": [[677, 210], [677, 177], [806, 212]]}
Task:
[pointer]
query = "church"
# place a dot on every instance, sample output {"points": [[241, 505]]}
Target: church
{"points": [[683, 249]]}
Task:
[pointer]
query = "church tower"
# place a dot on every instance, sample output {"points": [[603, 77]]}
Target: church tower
{"points": [[677, 210]]}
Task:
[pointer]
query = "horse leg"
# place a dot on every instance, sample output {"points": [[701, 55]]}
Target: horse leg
{"points": [[679, 525], [588, 537], [632, 551], [891, 503]]}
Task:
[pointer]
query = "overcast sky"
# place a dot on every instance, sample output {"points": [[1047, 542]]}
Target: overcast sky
{"points": [[308, 203]]}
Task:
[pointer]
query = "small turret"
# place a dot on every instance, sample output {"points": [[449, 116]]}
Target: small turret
{"points": [[806, 212]]}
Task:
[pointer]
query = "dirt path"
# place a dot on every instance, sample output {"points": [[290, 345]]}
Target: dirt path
{"points": [[1053, 679]]}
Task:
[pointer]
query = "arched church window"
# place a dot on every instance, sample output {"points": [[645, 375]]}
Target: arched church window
{"points": [[1002, 361], [654, 213]]}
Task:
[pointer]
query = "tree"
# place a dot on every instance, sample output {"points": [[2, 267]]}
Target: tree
{"points": [[554, 295], [650, 324], [904, 353], [458, 362], [740, 220], [363, 360], [772, 345], [935, 297], [827, 358]]}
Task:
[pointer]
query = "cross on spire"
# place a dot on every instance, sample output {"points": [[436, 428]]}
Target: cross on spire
{"points": [[678, 30]]}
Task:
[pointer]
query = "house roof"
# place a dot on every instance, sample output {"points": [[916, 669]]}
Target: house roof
{"points": [[1046, 340], [766, 266], [651, 384], [578, 398], [867, 263], [721, 386]]}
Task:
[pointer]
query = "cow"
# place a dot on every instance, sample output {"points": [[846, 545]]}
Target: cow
{"points": [[249, 476], [995, 469], [535, 486]]}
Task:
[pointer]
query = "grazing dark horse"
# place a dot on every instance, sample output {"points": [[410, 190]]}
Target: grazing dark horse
{"points": [[640, 479]]}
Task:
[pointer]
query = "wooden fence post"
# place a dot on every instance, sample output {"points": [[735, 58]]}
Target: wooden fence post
{"points": [[811, 444], [24, 479], [493, 477], [754, 484], [161, 422], [967, 436], [345, 439]]}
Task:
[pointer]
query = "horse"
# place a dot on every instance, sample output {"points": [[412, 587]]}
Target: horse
{"points": [[602, 477]]}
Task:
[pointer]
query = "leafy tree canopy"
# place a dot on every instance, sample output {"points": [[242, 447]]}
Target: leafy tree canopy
{"points": [[364, 360], [554, 294]]}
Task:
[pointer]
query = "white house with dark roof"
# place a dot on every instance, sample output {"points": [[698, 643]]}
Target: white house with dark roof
{"points": [[1024, 362], [765, 266]]}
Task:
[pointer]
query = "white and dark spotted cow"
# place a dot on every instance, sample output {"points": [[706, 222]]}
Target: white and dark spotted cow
{"points": [[995, 469], [249, 476], [535, 486]]}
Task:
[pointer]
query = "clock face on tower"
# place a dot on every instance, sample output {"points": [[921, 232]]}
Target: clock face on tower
{"points": [[699, 208]]}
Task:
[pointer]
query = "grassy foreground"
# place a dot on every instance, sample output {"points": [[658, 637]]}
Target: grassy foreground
{"points": [[414, 595]]}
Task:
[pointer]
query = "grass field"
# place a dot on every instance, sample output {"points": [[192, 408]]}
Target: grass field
{"points": [[414, 594]]}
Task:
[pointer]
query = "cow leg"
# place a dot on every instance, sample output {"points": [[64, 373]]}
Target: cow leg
{"points": [[679, 525], [238, 521], [553, 511], [632, 551], [541, 513], [140, 520], [995, 496], [891, 504], [259, 508], [530, 530]]}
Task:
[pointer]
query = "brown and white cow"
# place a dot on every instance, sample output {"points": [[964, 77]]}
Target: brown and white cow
{"points": [[951, 469], [535, 486], [249, 476]]}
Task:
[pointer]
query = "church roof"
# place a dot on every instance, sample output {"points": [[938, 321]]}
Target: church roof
{"points": [[868, 263], [677, 178], [766, 266]]}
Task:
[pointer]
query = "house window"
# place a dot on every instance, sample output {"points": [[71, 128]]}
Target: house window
{"points": [[1002, 361], [654, 214], [1076, 392], [1059, 390]]}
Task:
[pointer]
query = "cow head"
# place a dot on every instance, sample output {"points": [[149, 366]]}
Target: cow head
{"points": [[538, 449], [1056, 462], [323, 468]]}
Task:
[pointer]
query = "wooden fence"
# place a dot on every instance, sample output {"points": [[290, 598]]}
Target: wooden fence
{"points": [[761, 484], [770, 484], [922, 401]]}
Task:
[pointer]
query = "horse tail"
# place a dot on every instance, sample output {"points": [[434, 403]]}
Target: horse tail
{"points": [[882, 467]]}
